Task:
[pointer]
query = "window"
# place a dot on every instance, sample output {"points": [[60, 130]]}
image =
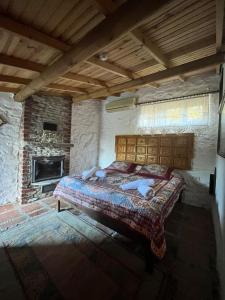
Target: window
{"points": [[188, 112]]}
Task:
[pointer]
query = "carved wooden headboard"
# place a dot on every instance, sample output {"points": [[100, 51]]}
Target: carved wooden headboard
{"points": [[173, 150]]}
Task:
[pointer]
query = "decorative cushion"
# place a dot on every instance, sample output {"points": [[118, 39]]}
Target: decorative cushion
{"points": [[121, 166], [154, 171]]}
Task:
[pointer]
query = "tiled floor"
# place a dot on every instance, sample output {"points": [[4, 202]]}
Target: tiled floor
{"points": [[190, 257], [13, 214]]}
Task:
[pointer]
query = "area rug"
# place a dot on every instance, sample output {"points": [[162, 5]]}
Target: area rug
{"points": [[70, 256]]}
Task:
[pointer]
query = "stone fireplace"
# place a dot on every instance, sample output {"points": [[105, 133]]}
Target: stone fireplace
{"points": [[45, 147]]}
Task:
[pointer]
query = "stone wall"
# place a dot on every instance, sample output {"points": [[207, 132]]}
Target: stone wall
{"points": [[85, 135], [9, 148], [126, 122], [39, 142]]}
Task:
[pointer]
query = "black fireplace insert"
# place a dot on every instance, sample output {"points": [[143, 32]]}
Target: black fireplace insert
{"points": [[47, 167]]}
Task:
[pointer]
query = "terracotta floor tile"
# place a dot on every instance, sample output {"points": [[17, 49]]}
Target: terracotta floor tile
{"points": [[12, 214], [7, 207], [31, 207], [38, 212]]}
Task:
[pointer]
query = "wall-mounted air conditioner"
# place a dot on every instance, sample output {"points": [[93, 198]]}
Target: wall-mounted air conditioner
{"points": [[121, 104]]}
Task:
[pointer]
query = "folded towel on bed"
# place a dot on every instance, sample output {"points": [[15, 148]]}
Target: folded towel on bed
{"points": [[144, 190], [101, 173], [89, 173], [133, 185]]}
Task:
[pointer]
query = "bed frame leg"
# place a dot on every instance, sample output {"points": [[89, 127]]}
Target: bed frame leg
{"points": [[180, 197], [149, 259], [58, 205]]}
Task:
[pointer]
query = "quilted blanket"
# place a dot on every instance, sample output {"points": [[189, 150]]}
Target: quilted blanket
{"points": [[144, 215]]}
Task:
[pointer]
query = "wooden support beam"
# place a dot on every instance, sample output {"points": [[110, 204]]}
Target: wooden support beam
{"points": [[154, 51], [32, 34], [196, 65], [106, 6], [36, 67], [24, 81], [21, 63], [219, 24], [115, 69], [129, 16], [84, 79], [8, 89], [13, 79], [110, 67], [64, 87]]}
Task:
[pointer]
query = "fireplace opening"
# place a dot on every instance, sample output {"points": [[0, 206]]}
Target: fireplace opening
{"points": [[46, 168]]}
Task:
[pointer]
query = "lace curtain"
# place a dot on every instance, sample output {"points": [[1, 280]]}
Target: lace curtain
{"points": [[188, 112]]}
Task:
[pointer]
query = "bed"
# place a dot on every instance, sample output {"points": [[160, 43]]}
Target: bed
{"points": [[128, 212]]}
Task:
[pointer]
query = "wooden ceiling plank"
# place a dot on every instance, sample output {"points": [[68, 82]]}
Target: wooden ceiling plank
{"points": [[219, 24], [199, 17], [184, 17], [86, 13], [200, 64], [183, 50], [129, 16], [85, 29], [31, 33]]}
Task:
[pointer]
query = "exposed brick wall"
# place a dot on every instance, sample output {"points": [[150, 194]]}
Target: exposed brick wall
{"points": [[38, 142]]}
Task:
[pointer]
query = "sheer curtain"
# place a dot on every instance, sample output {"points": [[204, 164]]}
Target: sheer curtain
{"points": [[187, 112]]}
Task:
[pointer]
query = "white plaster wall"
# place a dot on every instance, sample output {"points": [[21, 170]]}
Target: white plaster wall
{"points": [[9, 148], [218, 212], [85, 135], [218, 209], [126, 122]]}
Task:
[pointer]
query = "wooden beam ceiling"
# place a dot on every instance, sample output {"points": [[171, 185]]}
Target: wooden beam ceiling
{"points": [[184, 50], [200, 64], [46, 40], [111, 67], [37, 67], [108, 5], [40, 37], [31, 33], [154, 51], [24, 81], [219, 24], [126, 18]]}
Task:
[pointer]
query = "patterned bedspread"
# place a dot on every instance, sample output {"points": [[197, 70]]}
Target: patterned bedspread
{"points": [[144, 215]]}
